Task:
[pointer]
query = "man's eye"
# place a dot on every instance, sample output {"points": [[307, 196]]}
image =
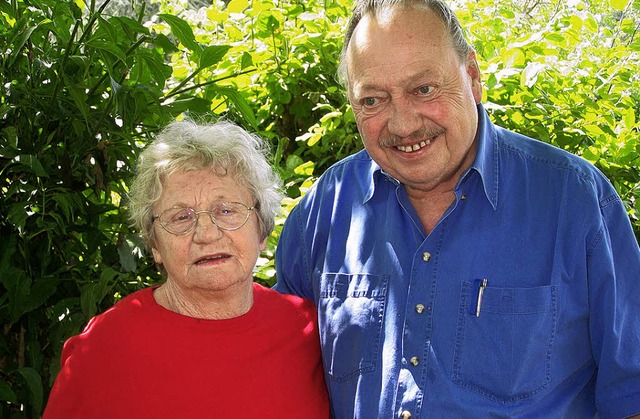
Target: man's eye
{"points": [[425, 90], [369, 101]]}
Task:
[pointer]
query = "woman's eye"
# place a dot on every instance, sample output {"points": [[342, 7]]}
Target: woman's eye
{"points": [[184, 216]]}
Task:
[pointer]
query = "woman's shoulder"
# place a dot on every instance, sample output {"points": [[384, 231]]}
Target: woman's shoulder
{"points": [[286, 304], [122, 312]]}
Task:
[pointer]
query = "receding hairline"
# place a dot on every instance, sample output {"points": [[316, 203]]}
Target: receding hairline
{"points": [[378, 9]]}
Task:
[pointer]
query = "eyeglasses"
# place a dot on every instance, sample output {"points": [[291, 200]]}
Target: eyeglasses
{"points": [[227, 216]]}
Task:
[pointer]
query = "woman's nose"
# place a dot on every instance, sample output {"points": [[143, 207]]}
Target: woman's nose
{"points": [[205, 229]]}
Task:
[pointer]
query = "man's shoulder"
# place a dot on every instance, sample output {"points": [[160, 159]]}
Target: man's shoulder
{"points": [[551, 157], [356, 162], [350, 178]]}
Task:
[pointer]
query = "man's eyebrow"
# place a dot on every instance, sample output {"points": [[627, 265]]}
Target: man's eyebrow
{"points": [[414, 78]]}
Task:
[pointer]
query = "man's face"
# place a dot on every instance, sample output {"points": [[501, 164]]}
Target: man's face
{"points": [[413, 97]]}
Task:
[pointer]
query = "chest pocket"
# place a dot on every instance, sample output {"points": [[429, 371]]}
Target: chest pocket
{"points": [[505, 352], [350, 312]]}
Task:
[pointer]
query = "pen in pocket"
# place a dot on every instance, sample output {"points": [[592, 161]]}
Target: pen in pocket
{"points": [[483, 285]]}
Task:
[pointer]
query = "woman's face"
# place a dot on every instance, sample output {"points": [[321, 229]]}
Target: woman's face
{"points": [[207, 258]]}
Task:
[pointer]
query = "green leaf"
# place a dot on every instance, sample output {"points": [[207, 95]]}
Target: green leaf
{"points": [[247, 61], [629, 118], [126, 256], [591, 24], [33, 163], [237, 6], [7, 250], [293, 161], [107, 46], [514, 57], [79, 97], [34, 384], [18, 214], [618, 4], [241, 105], [305, 169], [133, 27], [193, 104], [556, 38], [212, 55], [42, 289], [163, 42], [161, 72], [7, 394], [182, 30], [18, 285], [93, 293], [22, 38]]}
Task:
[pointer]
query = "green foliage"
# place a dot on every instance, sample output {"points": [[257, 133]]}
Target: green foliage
{"points": [[82, 92], [566, 73]]}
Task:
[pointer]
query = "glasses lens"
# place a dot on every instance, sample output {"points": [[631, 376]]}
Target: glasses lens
{"points": [[178, 220], [230, 215]]}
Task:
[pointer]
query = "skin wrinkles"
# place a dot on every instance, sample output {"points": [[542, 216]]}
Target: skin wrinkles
{"points": [[415, 104], [209, 270]]}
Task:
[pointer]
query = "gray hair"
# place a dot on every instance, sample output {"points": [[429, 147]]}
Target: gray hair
{"points": [[362, 8], [222, 146]]}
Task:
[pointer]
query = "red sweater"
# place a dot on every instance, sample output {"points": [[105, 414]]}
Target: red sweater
{"points": [[140, 360]]}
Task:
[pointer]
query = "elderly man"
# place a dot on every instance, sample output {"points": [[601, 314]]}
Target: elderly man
{"points": [[459, 269]]}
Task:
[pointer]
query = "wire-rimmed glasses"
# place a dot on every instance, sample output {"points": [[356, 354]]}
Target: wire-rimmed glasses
{"points": [[227, 216]]}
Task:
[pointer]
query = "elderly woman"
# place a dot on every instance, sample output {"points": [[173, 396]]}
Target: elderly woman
{"points": [[208, 342]]}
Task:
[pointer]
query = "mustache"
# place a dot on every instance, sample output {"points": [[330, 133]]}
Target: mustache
{"points": [[422, 134]]}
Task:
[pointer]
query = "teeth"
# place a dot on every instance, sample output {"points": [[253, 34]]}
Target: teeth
{"points": [[415, 147], [208, 259]]}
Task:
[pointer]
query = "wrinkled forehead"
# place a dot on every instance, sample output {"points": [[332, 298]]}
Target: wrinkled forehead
{"points": [[398, 25], [392, 35]]}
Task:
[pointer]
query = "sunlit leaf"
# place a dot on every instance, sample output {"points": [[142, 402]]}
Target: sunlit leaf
{"points": [[241, 105], [247, 61], [618, 4], [182, 31], [212, 55], [237, 6]]}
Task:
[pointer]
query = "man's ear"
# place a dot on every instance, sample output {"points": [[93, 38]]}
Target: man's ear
{"points": [[474, 75]]}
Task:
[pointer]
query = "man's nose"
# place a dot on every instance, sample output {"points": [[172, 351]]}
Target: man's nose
{"points": [[405, 118]]}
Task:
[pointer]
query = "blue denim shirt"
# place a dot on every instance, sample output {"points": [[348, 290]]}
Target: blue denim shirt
{"points": [[557, 330]]}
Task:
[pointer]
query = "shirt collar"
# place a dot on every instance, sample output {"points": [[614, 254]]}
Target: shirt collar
{"points": [[485, 163]]}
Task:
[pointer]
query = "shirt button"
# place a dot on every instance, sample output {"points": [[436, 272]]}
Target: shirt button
{"points": [[419, 308], [406, 414], [463, 197], [426, 256], [414, 361]]}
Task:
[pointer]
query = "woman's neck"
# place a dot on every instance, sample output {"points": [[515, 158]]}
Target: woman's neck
{"points": [[206, 304]]}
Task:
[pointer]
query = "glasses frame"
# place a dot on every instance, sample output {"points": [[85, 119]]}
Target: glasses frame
{"points": [[211, 217]]}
